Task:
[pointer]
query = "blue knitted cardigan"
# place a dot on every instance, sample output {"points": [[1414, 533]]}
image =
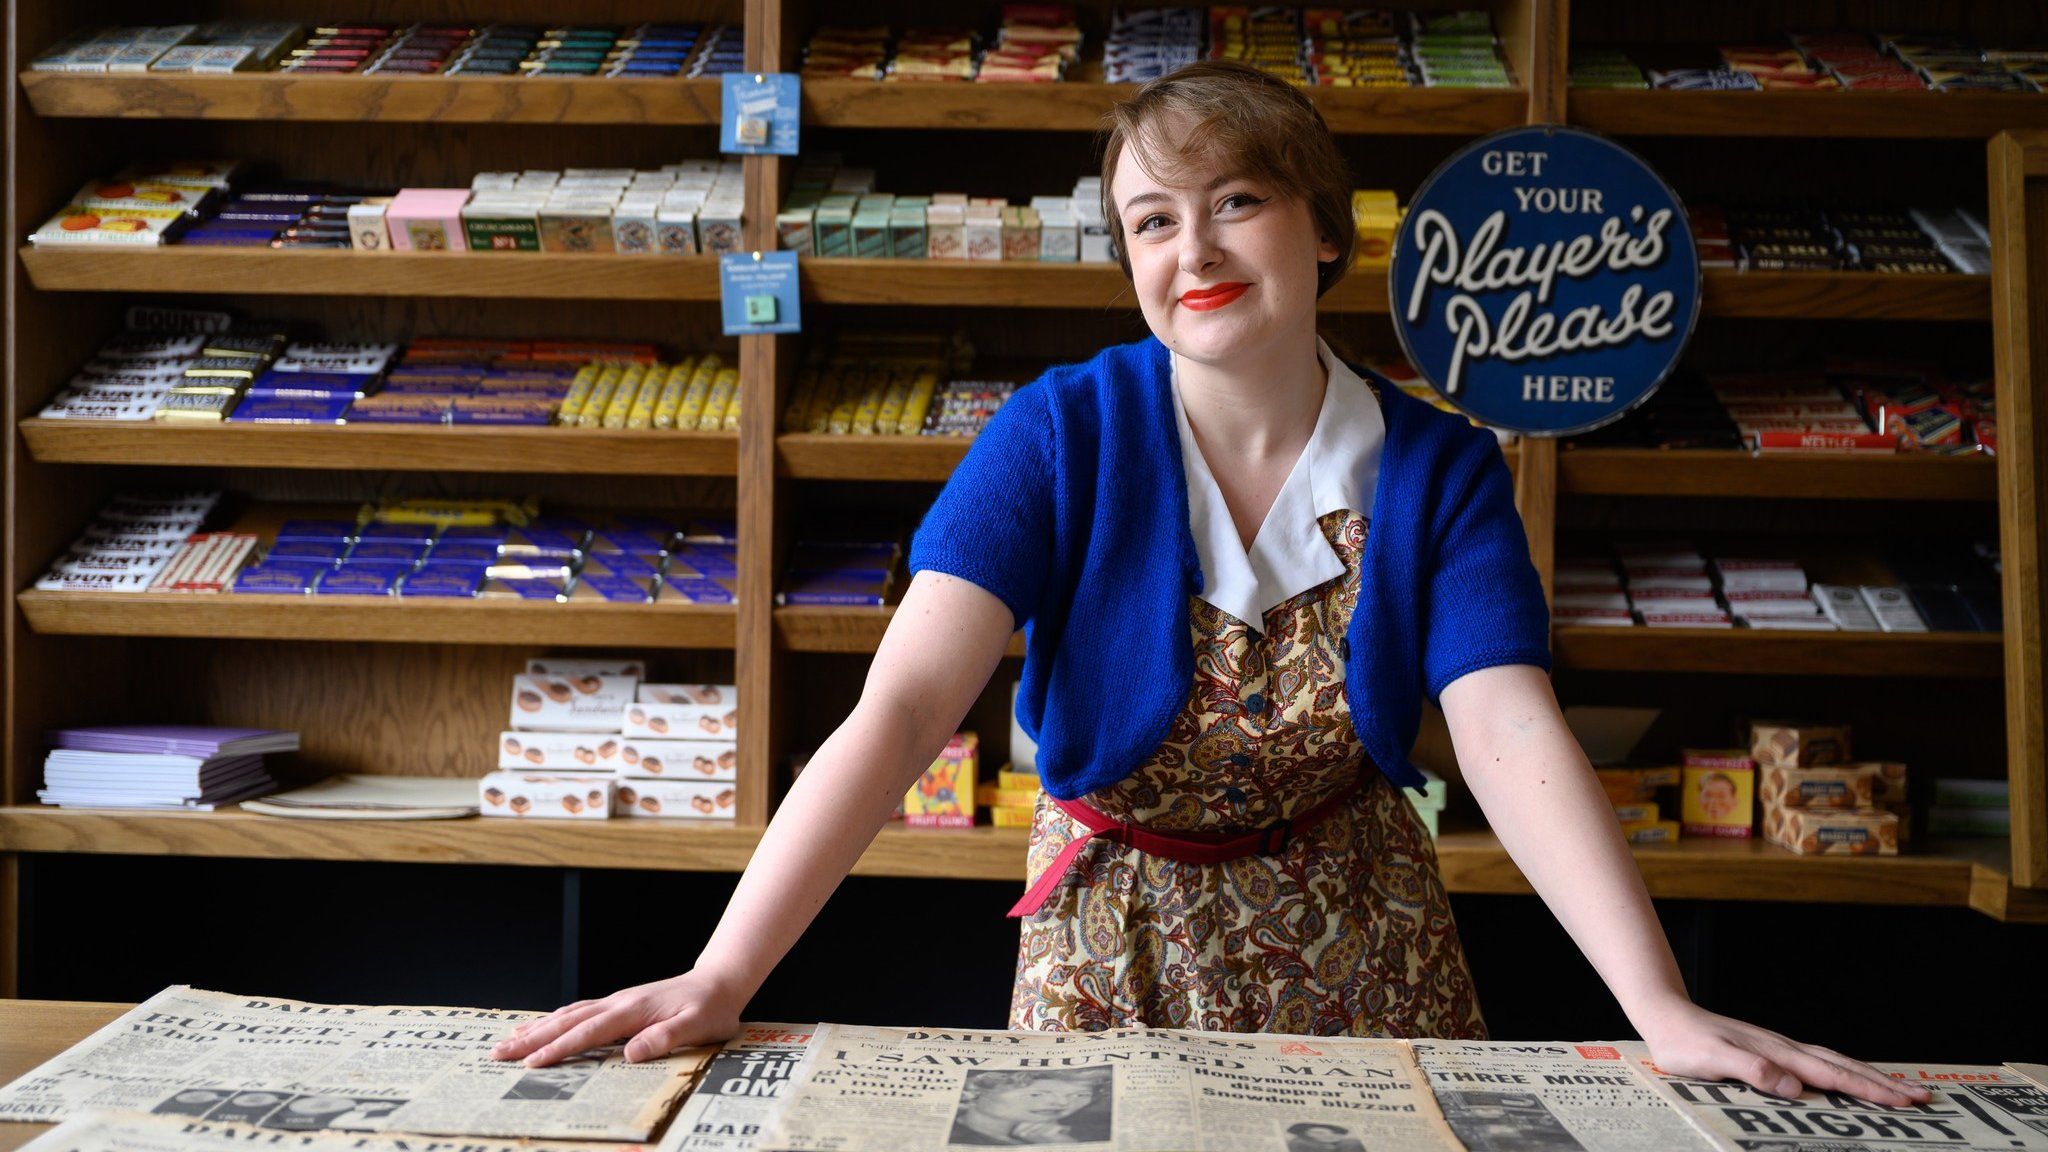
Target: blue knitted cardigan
{"points": [[1072, 508]]}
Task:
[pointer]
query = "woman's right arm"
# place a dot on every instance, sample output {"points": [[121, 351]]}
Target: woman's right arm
{"points": [[938, 654]]}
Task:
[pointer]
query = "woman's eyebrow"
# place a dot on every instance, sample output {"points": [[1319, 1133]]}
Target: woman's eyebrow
{"points": [[1151, 197]]}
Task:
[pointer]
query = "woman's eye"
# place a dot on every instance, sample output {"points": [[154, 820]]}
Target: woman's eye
{"points": [[1146, 225], [1241, 200]]}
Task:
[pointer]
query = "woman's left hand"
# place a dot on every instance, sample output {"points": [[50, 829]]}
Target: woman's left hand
{"points": [[1691, 1041]]}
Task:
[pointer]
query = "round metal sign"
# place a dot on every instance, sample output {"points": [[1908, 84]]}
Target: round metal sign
{"points": [[1544, 280]]}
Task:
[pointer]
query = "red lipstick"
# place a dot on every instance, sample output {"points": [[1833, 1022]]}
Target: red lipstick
{"points": [[1210, 299]]}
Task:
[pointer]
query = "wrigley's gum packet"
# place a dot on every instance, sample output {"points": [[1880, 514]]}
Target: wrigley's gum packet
{"points": [[870, 407], [671, 399], [819, 417], [621, 403], [722, 388], [918, 404], [845, 402], [592, 415], [641, 414], [579, 392], [732, 409], [887, 421], [694, 395]]}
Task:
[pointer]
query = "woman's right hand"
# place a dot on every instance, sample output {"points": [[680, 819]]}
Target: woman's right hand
{"points": [[655, 1019]]}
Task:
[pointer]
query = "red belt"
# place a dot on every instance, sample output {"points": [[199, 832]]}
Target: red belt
{"points": [[1186, 847]]}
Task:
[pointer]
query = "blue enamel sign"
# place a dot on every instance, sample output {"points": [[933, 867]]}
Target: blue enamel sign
{"points": [[758, 113], [758, 293], [1544, 280]]}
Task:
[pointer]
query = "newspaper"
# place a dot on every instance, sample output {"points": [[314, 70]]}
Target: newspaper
{"points": [[906, 1090], [1975, 1107], [145, 1132], [1500, 1097], [740, 1092], [283, 1065]]}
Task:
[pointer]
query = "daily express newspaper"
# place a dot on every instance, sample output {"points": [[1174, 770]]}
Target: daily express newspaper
{"points": [[147, 1132], [907, 1090], [1503, 1097], [741, 1090], [284, 1065], [1976, 1108]]}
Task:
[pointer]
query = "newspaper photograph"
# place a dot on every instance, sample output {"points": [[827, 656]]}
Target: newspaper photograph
{"points": [[906, 1090], [285, 1065], [1975, 1109], [740, 1092], [1506, 1097], [148, 1132]]}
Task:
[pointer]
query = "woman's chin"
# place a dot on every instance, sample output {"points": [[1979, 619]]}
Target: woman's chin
{"points": [[1215, 339]]}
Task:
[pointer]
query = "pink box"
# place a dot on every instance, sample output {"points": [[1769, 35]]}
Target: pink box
{"points": [[427, 220]]}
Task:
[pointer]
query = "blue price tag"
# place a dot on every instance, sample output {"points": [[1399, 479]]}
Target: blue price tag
{"points": [[759, 113], [758, 293], [1544, 280]]}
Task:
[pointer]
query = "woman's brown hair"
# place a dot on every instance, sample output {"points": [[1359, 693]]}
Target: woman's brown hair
{"points": [[1248, 123]]}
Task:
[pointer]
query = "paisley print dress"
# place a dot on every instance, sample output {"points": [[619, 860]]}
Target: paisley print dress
{"points": [[1346, 932]]}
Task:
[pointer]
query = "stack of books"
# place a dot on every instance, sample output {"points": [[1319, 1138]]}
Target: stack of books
{"points": [[160, 767]]}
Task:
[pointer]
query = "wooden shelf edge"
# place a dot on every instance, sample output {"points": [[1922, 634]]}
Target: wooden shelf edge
{"points": [[1746, 651], [179, 268], [375, 619], [376, 447], [387, 99], [1471, 862], [825, 456], [809, 628], [1818, 476], [1937, 115]]}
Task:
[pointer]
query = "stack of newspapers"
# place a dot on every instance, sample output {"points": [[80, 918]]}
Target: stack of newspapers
{"points": [[160, 767]]}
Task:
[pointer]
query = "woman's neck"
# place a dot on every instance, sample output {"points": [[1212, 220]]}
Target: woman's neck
{"points": [[1260, 409]]}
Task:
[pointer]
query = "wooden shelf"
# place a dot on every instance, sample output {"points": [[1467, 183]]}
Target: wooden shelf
{"points": [[1922, 115], [329, 272], [1748, 651], [377, 619], [819, 629], [1472, 862], [389, 99], [1078, 106], [1845, 295], [814, 456], [1818, 476], [840, 280], [385, 447]]}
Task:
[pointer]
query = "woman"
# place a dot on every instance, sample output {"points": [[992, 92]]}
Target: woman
{"points": [[1224, 668]]}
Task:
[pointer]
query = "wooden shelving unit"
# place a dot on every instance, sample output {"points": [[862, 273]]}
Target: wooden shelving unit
{"points": [[377, 99], [64, 129], [377, 619], [385, 447]]}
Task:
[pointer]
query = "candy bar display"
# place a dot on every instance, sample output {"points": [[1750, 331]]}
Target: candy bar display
{"points": [[945, 796], [1817, 800], [1455, 50], [668, 50], [835, 211], [840, 571], [693, 207], [438, 549], [1671, 584], [1011, 798], [1147, 43], [249, 373], [888, 384], [1855, 61], [1035, 43]]}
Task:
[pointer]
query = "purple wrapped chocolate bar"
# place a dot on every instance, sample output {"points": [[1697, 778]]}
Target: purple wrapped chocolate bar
{"points": [[342, 530], [275, 579], [613, 589], [389, 532], [353, 580], [406, 554], [323, 553], [691, 590], [442, 581], [280, 410], [835, 588]]}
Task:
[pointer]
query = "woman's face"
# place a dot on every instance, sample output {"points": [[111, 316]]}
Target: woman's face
{"points": [[1717, 798], [1040, 1100], [1224, 266]]}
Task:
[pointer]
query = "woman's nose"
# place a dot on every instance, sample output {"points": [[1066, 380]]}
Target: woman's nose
{"points": [[1198, 250]]}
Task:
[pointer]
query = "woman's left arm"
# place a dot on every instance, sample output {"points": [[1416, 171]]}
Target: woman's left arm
{"points": [[1543, 801]]}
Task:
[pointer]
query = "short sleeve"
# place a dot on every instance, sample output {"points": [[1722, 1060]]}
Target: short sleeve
{"points": [[992, 524], [1486, 605]]}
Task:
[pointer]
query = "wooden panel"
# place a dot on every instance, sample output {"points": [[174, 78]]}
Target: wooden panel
{"points": [[1845, 295], [390, 99], [2019, 245], [1747, 651], [323, 272], [1657, 472], [1826, 115], [34, 1031], [378, 619], [817, 629], [378, 447], [1535, 481], [828, 457]]}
